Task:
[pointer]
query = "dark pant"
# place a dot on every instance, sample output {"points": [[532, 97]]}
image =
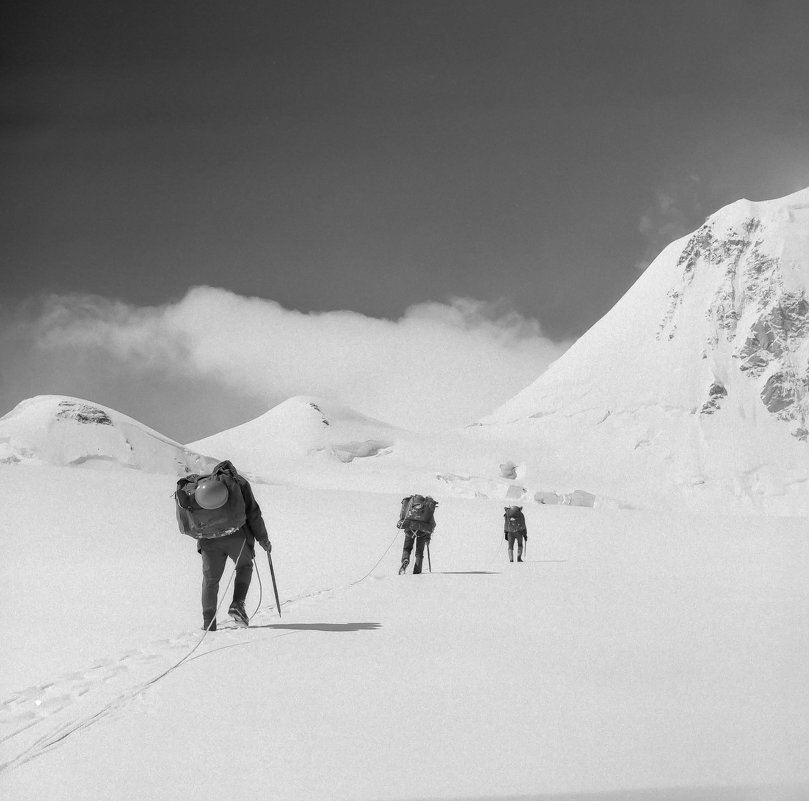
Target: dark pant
{"points": [[519, 536], [215, 553], [420, 539]]}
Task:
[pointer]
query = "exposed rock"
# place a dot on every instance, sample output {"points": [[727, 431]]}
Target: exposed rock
{"points": [[320, 412], [751, 307], [781, 393], [82, 413], [715, 395]]}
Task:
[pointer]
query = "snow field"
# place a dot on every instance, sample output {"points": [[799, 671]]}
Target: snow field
{"points": [[631, 650]]}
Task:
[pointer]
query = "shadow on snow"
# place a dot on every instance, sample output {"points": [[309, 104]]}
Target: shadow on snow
{"points": [[467, 572], [320, 626]]}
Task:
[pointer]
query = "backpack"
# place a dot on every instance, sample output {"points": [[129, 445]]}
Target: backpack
{"points": [[418, 510], [201, 523], [514, 520]]}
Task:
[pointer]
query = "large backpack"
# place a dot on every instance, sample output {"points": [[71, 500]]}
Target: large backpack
{"points": [[514, 520], [418, 511], [201, 523]]}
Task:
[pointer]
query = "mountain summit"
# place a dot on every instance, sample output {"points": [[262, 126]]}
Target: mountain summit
{"points": [[65, 431], [302, 426], [704, 362]]}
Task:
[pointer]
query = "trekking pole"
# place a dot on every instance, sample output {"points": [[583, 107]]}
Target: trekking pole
{"points": [[274, 585], [429, 563]]}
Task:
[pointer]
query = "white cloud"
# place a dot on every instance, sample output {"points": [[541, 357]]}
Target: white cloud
{"points": [[440, 365]]}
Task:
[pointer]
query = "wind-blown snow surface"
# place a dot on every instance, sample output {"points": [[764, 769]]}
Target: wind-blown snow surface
{"points": [[695, 386], [631, 650]]}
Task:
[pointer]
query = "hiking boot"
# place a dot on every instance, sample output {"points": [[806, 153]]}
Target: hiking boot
{"points": [[403, 568], [209, 625], [238, 614], [519, 558]]}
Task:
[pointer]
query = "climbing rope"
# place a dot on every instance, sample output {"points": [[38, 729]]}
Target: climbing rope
{"points": [[379, 561], [53, 738], [495, 554], [49, 741]]}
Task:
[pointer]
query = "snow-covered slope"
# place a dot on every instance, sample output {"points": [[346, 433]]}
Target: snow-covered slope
{"points": [[634, 655], [302, 426], [696, 384], [58, 430]]}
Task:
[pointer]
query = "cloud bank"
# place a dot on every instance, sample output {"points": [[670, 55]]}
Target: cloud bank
{"points": [[215, 359]]}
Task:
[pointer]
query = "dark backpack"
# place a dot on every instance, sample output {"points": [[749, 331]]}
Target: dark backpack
{"points": [[201, 523], [514, 520], [419, 510]]}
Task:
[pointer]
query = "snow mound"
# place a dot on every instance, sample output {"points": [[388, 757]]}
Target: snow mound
{"points": [[302, 426], [59, 430]]}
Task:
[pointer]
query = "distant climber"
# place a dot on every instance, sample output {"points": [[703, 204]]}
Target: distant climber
{"points": [[220, 512], [515, 530], [417, 520]]}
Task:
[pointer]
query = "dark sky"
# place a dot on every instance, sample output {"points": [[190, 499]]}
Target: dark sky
{"points": [[372, 155]]}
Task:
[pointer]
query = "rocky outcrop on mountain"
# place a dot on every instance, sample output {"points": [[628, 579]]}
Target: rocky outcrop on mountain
{"points": [[757, 306], [81, 412], [715, 395]]}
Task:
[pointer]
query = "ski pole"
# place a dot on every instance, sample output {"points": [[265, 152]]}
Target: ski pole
{"points": [[429, 562], [274, 585]]}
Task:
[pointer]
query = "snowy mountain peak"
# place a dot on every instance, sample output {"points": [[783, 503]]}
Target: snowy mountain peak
{"points": [[302, 426], [59, 430], [308, 408], [703, 365]]}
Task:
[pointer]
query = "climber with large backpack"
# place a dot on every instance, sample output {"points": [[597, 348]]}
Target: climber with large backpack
{"points": [[417, 520], [220, 512], [515, 530]]}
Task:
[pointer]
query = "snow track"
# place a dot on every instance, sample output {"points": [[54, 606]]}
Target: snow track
{"points": [[39, 718], [567, 673]]}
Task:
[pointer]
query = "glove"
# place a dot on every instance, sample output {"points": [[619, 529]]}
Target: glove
{"points": [[505, 537], [525, 534], [400, 524], [266, 545]]}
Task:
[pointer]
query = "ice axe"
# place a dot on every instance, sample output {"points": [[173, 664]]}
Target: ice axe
{"points": [[274, 585]]}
